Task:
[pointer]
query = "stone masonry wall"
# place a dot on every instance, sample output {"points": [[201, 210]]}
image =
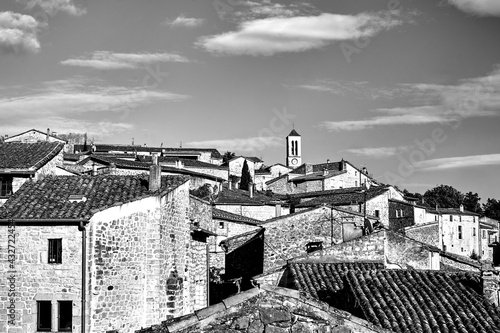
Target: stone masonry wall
{"points": [[34, 279], [406, 253], [428, 234], [139, 265], [258, 212]]}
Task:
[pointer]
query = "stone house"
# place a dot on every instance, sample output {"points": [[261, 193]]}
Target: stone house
{"points": [[252, 204], [225, 225], [107, 252], [33, 136], [265, 174], [319, 177], [191, 165], [268, 309], [260, 251], [235, 165], [404, 214], [460, 231], [20, 162], [488, 228], [377, 200]]}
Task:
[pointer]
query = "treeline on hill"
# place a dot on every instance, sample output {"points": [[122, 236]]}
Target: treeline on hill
{"points": [[446, 196]]}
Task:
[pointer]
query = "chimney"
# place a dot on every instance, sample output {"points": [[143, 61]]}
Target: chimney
{"points": [[364, 171], [48, 134], [309, 168], [94, 169], [342, 165], [112, 169], [461, 207], [278, 209], [250, 189], [325, 172], [154, 175], [491, 283], [230, 184]]}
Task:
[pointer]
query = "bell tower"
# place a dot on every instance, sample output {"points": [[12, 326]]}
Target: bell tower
{"points": [[293, 149]]}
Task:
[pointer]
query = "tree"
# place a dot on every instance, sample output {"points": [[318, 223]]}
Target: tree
{"points": [[444, 196], [471, 202], [492, 209], [246, 178], [228, 155]]}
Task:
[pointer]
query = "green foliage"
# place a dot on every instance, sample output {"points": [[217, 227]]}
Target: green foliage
{"points": [[471, 202], [246, 178], [492, 209], [228, 155], [444, 196]]}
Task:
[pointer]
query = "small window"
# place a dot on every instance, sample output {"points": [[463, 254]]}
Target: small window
{"points": [[460, 218], [44, 316], [5, 186], [377, 213], [55, 251], [221, 225], [483, 234], [355, 173], [473, 232], [65, 315], [451, 217], [401, 213], [459, 232], [397, 212], [435, 217], [355, 183], [462, 249]]}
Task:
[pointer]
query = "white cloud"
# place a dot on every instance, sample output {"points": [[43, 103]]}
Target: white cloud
{"points": [[110, 60], [478, 7], [240, 145], [51, 7], [458, 162], [274, 35], [18, 33], [79, 95], [450, 104], [183, 21], [376, 152]]}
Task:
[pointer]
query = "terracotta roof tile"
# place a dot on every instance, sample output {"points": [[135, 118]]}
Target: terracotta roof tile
{"points": [[49, 198], [340, 197], [24, 156], [227, 216]]}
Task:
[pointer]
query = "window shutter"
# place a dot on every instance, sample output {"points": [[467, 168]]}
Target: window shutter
{"points": [[51, 252], [59, 251]]}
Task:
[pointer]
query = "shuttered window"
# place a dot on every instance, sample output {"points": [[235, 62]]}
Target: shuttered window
{"points": [[44, 316]]}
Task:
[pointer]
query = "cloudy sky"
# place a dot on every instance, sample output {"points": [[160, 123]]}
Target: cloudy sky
{"points": [[409, 89]]}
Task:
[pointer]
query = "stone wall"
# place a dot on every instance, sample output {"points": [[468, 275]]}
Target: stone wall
{"points": [[34, 279], [428, 233], [140, 263], [406, 253], [465, 242], [268, 309], [236, 166], [401, 215]]}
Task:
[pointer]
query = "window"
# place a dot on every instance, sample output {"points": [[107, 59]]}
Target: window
{"points": [[65, 315], [435, 217], [44, 318], [397, 212], [355, 183], [451, 217], [473, 232], [5, 186], [459, 232], [460, 218], [221, 225], [55, 251], [483, 234], [377, 213]]}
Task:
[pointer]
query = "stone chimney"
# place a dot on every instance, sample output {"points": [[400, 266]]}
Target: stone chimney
{"points": [[309, 168], [278, 210], [48, 135], [230, 184], [112, 169], [342, 165], [250, 189], [154, 175], [94, 169], [491, 286], [461, 207], [364, 171], [325, 172]]}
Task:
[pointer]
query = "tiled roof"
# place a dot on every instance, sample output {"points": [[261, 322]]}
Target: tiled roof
{"points": [[455, 211], [324, 280], [186, 161], [237, 241], [220, 214], [48, 198], [318, 167], [35, 130], [27, 156], [342, 196], [423, 301], [129, 148], [253, 159], [71, 157], [242, 197], [128, 164], [316, 176]]}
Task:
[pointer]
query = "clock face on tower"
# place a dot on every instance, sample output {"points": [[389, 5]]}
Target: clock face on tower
{"points": [[294, 161]]}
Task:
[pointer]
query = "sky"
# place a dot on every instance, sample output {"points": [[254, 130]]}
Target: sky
{"points": [[409, 89]]}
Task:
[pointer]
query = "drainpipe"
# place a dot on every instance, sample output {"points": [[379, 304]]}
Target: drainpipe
{"points": [[81, 228]]}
